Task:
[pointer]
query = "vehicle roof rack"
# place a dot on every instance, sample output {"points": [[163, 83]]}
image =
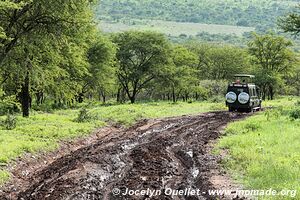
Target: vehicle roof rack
{"points": [[244, 75]]}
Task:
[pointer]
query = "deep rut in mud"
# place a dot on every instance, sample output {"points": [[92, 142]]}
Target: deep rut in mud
{"points": [[155, 154]]}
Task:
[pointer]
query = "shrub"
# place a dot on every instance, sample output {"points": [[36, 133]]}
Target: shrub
{"points": [[217, 99], [45, 107], [9, 104], [83, 116], [295, 114], [10, 122], [214, 87], [252, 126], [190, 101], [273, 114]]}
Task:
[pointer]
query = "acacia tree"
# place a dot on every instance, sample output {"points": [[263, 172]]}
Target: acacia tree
{"points": [[219, 62], [272, 58], [41, 37], [142, 56], [101, 78], [181, 74], [291, 23], [225, 61]]}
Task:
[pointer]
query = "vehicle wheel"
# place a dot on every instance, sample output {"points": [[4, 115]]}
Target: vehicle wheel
{"points": [[250, 110], [259, 107]]}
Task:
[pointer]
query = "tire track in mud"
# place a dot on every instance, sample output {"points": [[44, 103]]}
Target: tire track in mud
{"points": [[169, 153]]}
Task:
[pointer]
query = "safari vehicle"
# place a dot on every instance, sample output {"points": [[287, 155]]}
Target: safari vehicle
{"points": [[243, 95]]}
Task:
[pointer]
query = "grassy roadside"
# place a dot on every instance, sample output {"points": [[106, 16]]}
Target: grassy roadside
{"points": [[43, 131], [263, 150]]}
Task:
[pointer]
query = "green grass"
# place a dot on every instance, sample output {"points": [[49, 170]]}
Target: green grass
{"points": [[285, 101], [43, 131], [174, 28], [264, 150], [4, 176], [128, 114], [40, 132]]}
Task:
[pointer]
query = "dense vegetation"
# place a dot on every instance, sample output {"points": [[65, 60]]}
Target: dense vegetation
{"points": [[263, 16], [255, 13], [42, 43]]}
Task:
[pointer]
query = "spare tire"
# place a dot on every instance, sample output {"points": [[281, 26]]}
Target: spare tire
{"points": [[243, 98], [231, 97]]}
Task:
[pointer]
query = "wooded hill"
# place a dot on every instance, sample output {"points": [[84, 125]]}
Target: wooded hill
{"points": [[261, 14]]}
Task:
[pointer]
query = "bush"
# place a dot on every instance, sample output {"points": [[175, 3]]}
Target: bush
{"points": [[45, 107], [215, 87], [252, 126], [295, 114], [10, 122], [217, 99], [84, 116], [273, 114], [9, 104]]}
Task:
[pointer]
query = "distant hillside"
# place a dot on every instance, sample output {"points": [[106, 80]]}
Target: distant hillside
{"points": [[261, 14]]}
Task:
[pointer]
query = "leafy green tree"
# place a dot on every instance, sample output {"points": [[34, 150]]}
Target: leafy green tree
{"points": [[43, 39], [273, 58], [291, 23], [181, 76], [225, 61], [295, 81], [220, 62], [142, 57], [102, 77]]}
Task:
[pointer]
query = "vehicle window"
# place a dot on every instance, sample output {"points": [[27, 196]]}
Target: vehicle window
{"points": [[250, 91], [254, 92]]}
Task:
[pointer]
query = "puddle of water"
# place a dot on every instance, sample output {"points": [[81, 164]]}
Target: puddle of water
{"points": [[195, 172], [190, 153], [127, 146]]}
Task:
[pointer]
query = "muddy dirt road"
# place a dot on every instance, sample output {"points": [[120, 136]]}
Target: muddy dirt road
{"points": [[154, 154]]}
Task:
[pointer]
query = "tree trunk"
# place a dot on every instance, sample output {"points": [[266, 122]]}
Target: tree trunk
{"points": [[119, 95], [25, 96], [271, 89], [80, 98], [132, 99], [103, 97], [264, 93], [39, 97], [186, 97], [173, 95]]}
